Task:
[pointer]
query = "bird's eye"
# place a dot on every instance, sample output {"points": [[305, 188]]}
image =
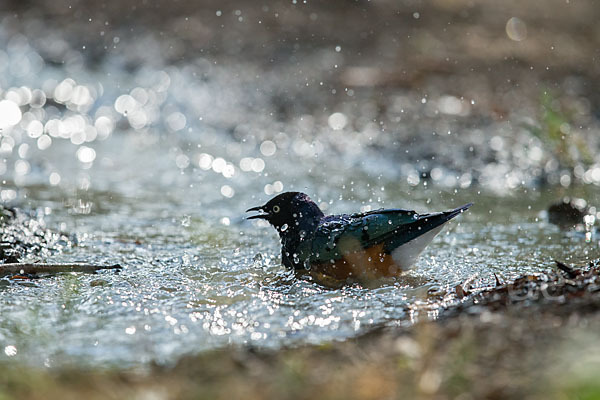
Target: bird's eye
{"points": [[276, 209]]}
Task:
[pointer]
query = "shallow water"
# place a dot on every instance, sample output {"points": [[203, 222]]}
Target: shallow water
{"points": [[198, 276], [153, 169]]}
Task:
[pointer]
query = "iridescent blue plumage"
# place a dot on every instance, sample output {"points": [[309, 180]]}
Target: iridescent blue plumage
{"points": [[312, 240]]}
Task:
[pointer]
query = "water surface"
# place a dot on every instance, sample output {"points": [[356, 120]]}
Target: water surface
{"points": [[152, 168]]}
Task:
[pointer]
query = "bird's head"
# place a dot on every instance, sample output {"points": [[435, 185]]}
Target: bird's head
{"points": [[289, 211]]}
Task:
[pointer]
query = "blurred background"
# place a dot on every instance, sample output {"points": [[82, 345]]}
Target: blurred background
{"points": [[502, 95]]}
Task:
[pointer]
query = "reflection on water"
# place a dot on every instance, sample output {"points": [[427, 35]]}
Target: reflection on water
{"points": [[192, 282], [153, 168]]}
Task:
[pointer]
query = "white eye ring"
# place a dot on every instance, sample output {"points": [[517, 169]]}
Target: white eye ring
{"points": [[276, 209]]}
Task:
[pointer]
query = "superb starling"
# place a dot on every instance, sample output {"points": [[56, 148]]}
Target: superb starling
{"points": [[356, 247]]}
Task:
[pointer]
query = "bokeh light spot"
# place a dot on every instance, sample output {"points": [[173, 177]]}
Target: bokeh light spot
{"points": [[86, 154], [337, 121], [516, 29], [227, 191], [268, 148], [10, 114]]}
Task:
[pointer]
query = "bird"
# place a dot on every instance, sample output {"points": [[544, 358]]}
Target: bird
{"points": [[360, 247]]}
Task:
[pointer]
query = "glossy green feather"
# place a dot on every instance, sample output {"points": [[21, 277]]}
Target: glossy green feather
{"points": [[346, 233]]}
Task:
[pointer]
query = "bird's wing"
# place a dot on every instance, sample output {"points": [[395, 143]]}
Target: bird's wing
{"points": [[392, 227]]}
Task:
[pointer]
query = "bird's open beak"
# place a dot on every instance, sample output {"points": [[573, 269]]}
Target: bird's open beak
{"points": [[258, 216]]}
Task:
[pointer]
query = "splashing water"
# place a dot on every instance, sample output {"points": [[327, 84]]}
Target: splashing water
{"points": [[152, 169]]}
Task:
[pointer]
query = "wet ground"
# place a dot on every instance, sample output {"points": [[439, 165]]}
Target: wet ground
{"points": [[532, 338], [138, 134]]}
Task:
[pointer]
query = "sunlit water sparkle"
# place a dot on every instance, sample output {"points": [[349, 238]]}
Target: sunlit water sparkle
{"points": [[191, 283], [152, 169]]}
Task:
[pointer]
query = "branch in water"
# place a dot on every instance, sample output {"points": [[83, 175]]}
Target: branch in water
{"points": [[30, 269], [571, 273]]}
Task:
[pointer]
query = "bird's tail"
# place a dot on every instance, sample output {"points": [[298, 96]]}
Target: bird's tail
{"points": [[448, 215], [406, 248], [427, 222]]}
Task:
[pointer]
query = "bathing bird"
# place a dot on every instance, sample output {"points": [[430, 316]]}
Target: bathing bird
{"points": [[358, 247]]}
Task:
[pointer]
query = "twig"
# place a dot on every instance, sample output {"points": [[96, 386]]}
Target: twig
{"points": [[566, 269], [497, 280], [30, 269], [464, 289]]}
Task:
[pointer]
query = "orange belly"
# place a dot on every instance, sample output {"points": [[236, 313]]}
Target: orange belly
{"points": [[362, 265]]}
